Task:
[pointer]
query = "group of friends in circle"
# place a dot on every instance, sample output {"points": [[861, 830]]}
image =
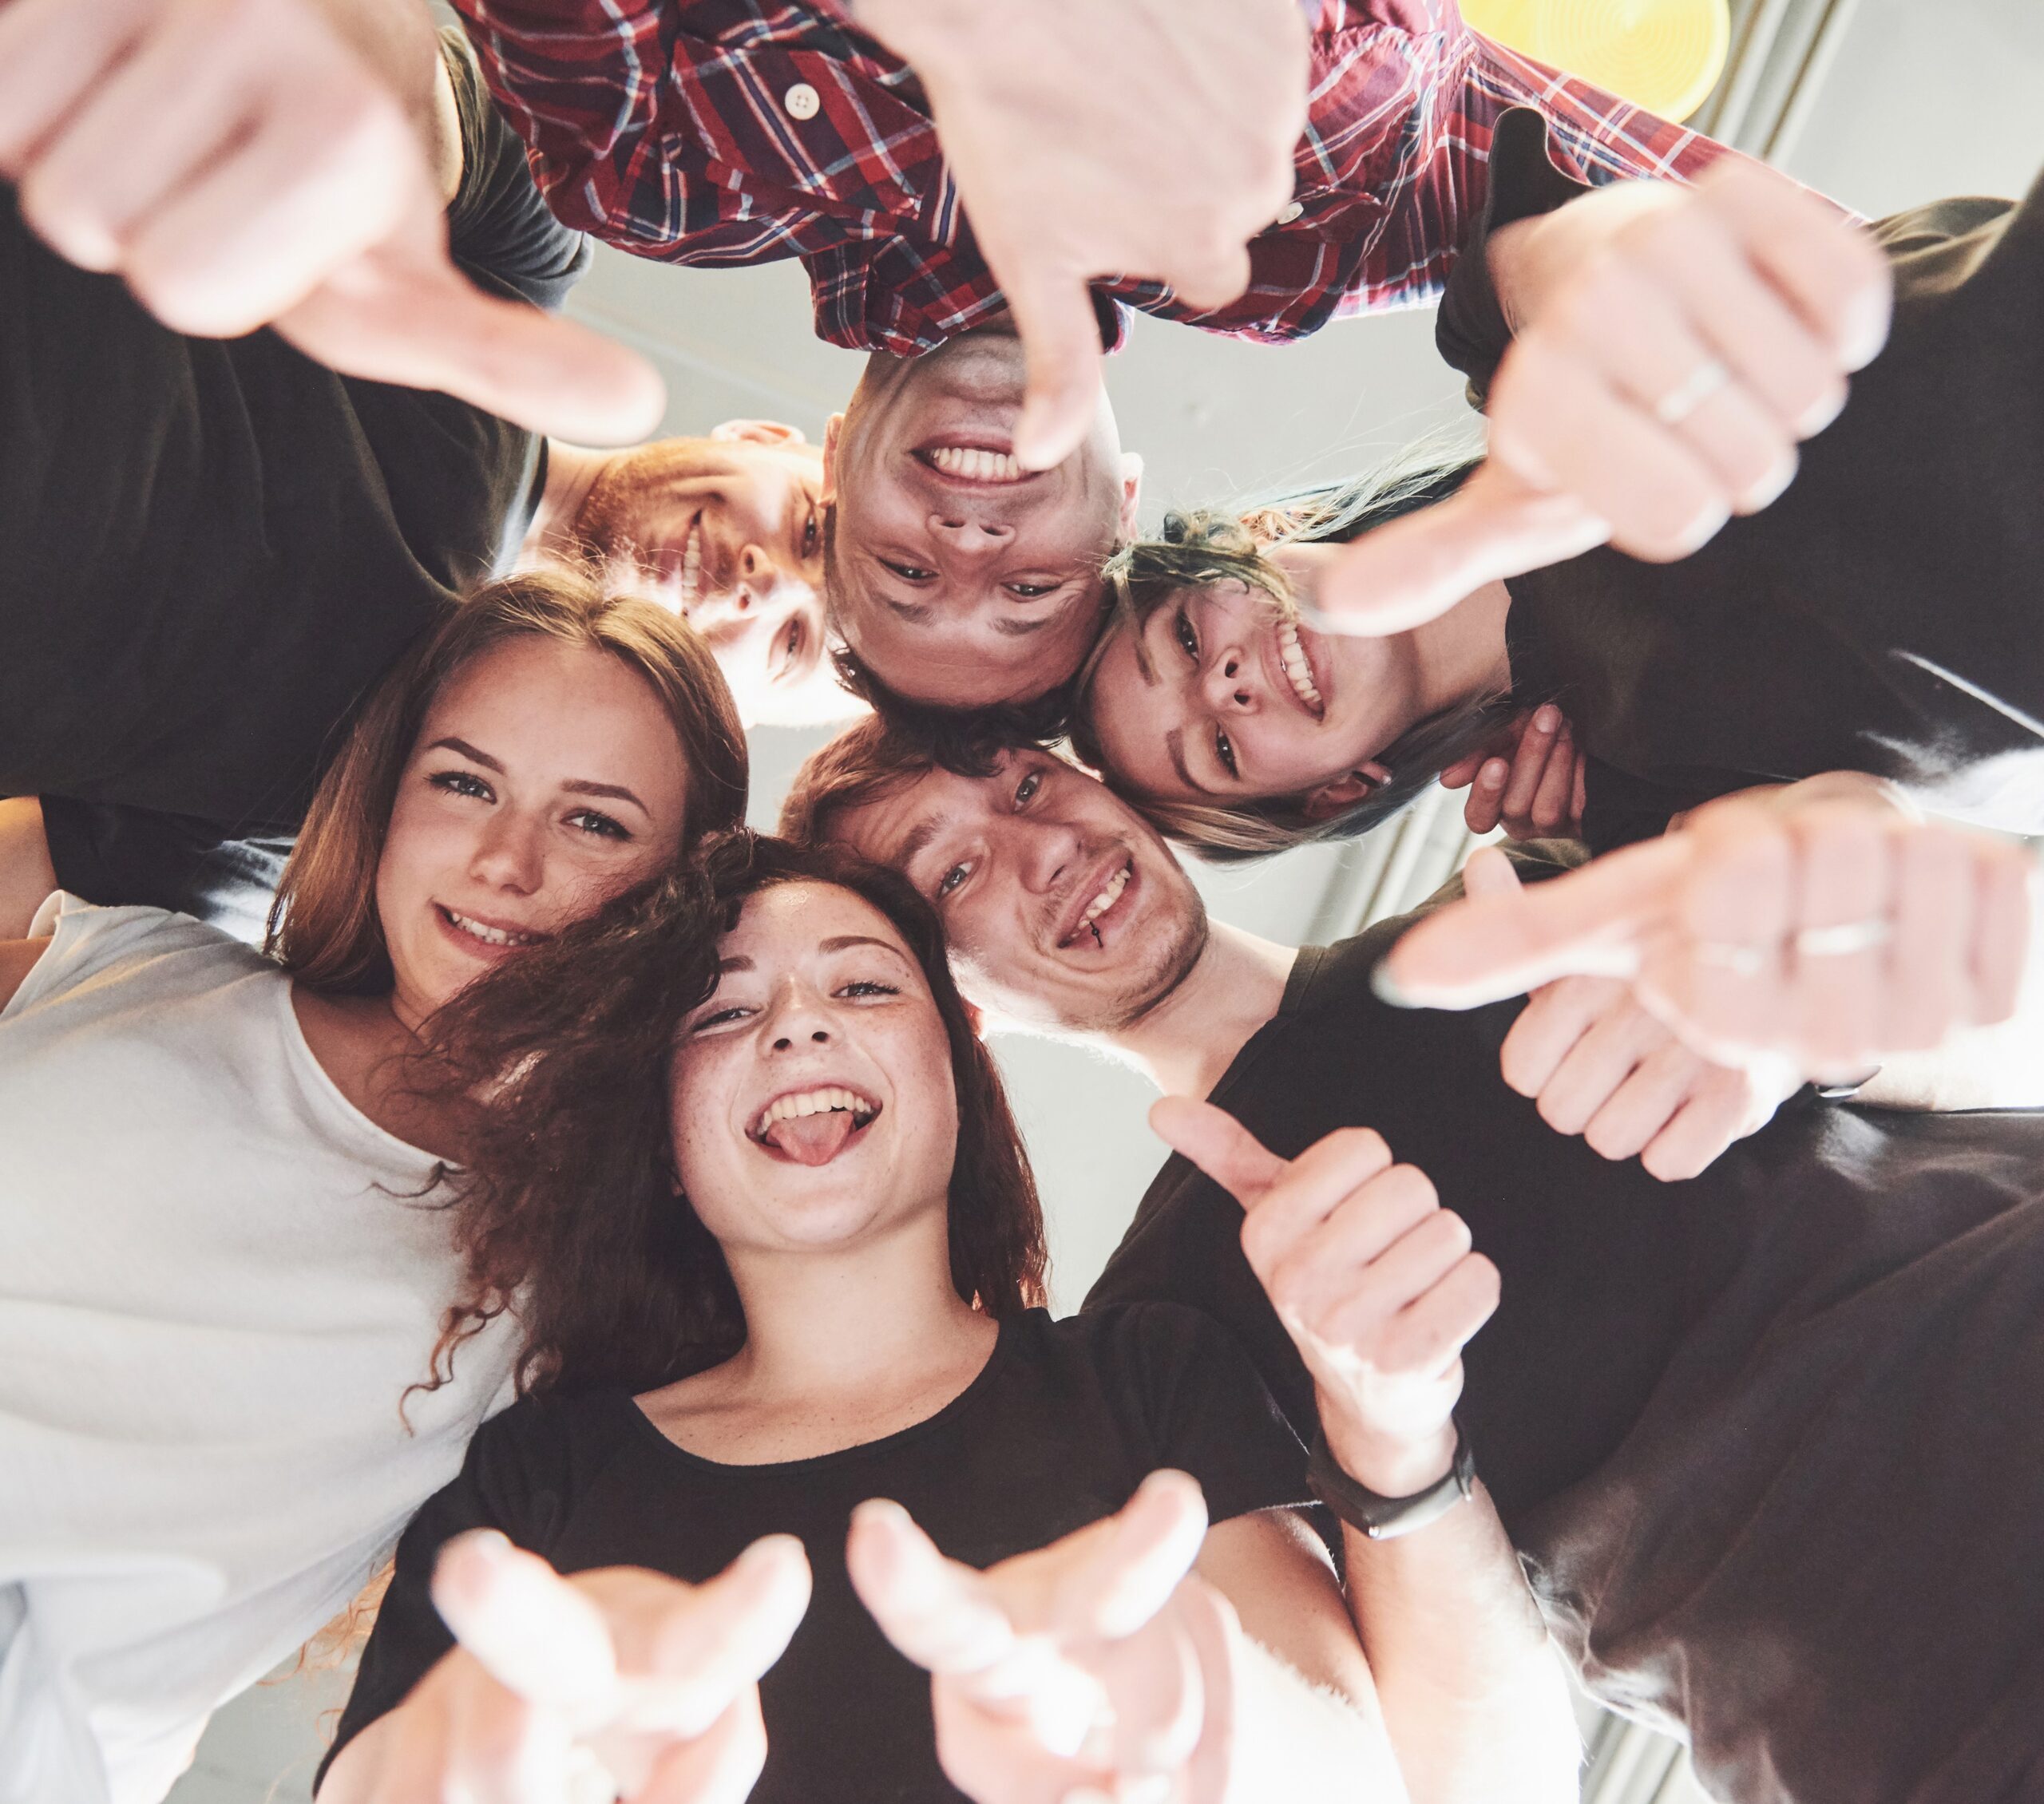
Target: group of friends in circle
{"points": [[434, 1122]]}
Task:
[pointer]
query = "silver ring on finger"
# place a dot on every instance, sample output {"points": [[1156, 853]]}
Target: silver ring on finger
{"points": [[1844, 939], [1725, 954], [1702, 382]]}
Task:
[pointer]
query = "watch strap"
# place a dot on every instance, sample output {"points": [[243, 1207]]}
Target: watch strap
{"points": [[1380, 1517]]}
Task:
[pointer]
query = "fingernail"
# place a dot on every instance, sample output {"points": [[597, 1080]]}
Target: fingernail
{"points": [[1546, 718], [1495, 774], [1388, 989], [1821, 412], [1769, 489]]}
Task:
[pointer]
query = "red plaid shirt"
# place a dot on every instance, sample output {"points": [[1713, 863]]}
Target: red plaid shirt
{"points": [[666, 127]]}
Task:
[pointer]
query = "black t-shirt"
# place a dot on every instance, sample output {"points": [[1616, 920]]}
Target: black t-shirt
{"points": [[1066, 1419], [1769, 1440], [1790, 644], [214, 546]]}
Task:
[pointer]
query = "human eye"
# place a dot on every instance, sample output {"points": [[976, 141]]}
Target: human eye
{"points": [[601, 825], [721, 1018], [865, 988], [1182, 631], [1030, 591], [1224, 751], [948, 885], [812, 534], [1025, 791], [462, 783], [909, 573]]}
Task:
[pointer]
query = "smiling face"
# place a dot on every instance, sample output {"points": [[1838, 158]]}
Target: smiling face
{"points": [[728, 531], [546, 778], [1216, 697], [1061, 906], [962, 580], [811, 1095]]}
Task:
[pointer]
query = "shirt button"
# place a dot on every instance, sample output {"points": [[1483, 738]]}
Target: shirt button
{"points": [[1292, 210], [802, 101]]}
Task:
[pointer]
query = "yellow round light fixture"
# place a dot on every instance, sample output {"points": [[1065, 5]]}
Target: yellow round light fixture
{"points": [[1665, 55]]}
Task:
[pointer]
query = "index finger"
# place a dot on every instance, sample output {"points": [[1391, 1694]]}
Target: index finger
{"points": [[1585, 923], [528, 1628]]}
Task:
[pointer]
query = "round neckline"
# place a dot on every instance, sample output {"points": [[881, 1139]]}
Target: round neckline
{"points": [[299, 1049], [1002, 1351]]}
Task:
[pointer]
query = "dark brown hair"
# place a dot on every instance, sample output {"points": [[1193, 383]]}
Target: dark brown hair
{"points": [[870, 760], [323, 925], [569, 1209]]}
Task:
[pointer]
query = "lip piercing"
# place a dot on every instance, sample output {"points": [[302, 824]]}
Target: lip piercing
{"points": [[1704, 381]]}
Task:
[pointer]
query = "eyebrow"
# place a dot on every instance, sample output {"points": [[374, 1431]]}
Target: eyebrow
{"points": [[1175, 744], [616, 791], [1014, 629], [916, 841], [916, 610], [837, 943]]}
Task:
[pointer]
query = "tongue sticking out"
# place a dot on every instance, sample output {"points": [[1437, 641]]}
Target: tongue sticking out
{"points": [[812, 1140]]}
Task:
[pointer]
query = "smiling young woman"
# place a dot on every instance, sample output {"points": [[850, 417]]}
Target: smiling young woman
{"points": [[219, 1175], [814, 1278]]}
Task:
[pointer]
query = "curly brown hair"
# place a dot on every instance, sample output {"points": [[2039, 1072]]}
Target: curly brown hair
{"points": [[569, 1212]]}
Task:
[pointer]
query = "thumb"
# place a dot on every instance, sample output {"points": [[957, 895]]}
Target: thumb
{"points": [[1211, 285], [1413, 569], [1061, 340], [1128, 1575], [1219, 1145], [1503, 943], [1490, 872], [422, 324]]}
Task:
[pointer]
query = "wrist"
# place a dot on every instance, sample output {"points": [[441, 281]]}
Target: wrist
{"points": [[1393, 1466]]}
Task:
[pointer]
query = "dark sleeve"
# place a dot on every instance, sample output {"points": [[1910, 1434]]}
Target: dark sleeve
{"points": [[1201, 1408], [1470, 330], [117, 856], [514, 1479], [499, 228]]}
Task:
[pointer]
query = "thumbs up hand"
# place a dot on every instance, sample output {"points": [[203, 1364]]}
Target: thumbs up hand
{"points": [[1673, 346], [1372, 1279]]}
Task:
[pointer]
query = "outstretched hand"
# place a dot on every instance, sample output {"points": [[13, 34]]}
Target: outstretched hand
{"points": [[1663, 373], [1831, 930], [1528, 779], [1092, 138], [249, 163], [1082, 1669], [1374, 1282], [618, 1683]]}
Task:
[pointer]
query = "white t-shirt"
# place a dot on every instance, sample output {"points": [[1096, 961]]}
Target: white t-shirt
{"points": [[217, 1279]]}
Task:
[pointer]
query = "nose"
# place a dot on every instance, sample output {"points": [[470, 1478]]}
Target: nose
{"points": [[1228, 683], [1051, 852], [797, 1018], [970, 537], [509, 854]]}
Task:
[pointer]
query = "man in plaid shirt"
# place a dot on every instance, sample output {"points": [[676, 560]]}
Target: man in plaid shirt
{"points": [[713, 131]]}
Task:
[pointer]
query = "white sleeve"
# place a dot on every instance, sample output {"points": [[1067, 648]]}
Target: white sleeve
{"points": [[87, 941]]}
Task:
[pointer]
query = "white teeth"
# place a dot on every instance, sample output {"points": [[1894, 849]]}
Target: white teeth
{"points": [[814, 1102], [976, 465], [1110, 895], [692, 567], [1292, 655], [491, 936]]}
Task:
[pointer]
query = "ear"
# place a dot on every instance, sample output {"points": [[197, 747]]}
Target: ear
{"points": [[1339, 794], [833, 429], [759, 431], [1131, 491]]}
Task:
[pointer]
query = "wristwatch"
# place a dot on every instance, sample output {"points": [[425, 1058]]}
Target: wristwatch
{"points": [[1383, 1517]]}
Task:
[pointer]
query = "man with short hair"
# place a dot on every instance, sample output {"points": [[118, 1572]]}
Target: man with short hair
{"points": [[1109, 155], [1765, 1438]]}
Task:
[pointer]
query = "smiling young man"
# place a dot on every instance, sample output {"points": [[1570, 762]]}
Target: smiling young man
{"points": [[1764, 1436]]}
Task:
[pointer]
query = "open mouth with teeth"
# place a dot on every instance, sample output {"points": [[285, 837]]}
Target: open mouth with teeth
{"points": [[811, 1127], [985, 464], [692, 566], [1292, 659], [486, 937], [1103, 911]]}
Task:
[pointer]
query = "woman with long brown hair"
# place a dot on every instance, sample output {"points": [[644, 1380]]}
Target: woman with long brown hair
{"points": [[815, 1279], [225, 1251]]}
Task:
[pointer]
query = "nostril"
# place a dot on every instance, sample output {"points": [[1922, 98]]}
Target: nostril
{"points": [[820, 1037]]}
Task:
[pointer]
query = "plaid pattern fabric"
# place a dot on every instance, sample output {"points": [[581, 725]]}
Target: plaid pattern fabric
{"points": [[664, 127]]}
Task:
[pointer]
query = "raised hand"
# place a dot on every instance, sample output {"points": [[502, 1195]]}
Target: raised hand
{"points": [[619, 1683], [1091, 1669], [1828, 928], [246, 163], [1673, 348], [1528, 779], [1373, 1280], [1099, 137]]}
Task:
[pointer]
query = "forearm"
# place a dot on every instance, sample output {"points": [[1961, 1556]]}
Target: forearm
{"points": [[1472, 1691]]}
